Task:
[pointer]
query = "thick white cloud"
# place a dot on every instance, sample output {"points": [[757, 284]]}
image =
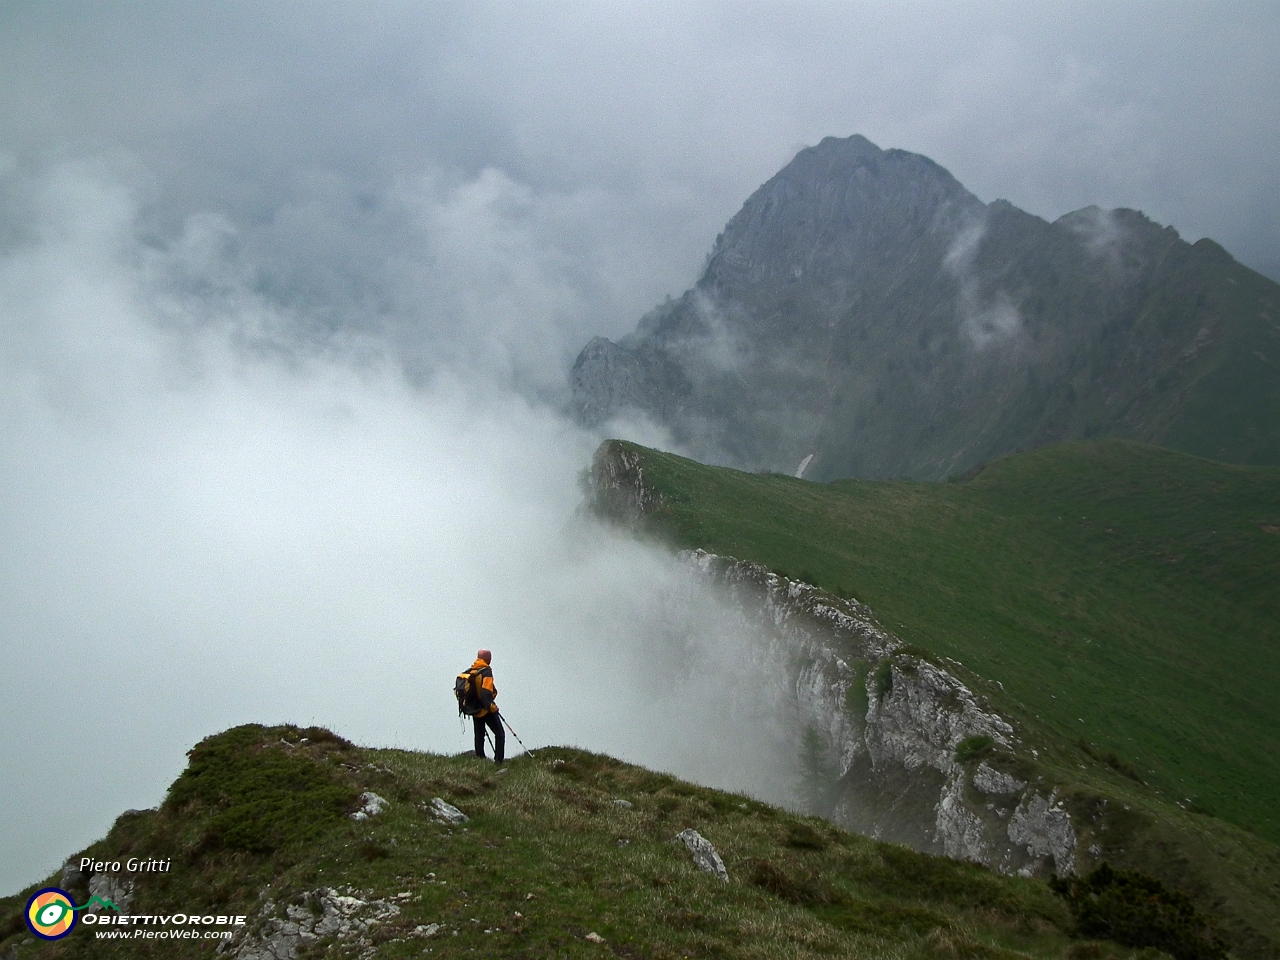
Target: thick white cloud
{"points": [[203, 522]]}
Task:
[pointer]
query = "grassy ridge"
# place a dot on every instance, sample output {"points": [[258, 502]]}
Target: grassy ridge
{"points": [[1124, 595], [547, 858]]}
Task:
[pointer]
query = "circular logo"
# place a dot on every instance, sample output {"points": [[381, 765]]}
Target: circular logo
{"points": [[51, 913]]}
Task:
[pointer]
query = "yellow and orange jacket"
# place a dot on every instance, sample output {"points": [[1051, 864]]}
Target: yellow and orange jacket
{"points": [[484, 687]]}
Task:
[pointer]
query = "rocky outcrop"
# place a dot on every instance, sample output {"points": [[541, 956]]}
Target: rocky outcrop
{"points": [[704, 854], [618, 487], [117, 891], [893, 721], [446, 812], [1043, 827], [323, 916], [114, 889], [370, 806]]}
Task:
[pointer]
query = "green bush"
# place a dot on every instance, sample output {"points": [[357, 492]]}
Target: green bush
{"points": [[974, 748], [1138, 911], [883, 678]]}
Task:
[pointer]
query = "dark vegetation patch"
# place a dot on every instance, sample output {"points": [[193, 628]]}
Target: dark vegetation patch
{"points": [[856, 701], [904, 873], [804, 837], [792, 883], [974, 748], [373, 850], [880, 919], [1139, 911], [258, 794], [1111, 759], [882, 679], [13, 924], [580, 799]]}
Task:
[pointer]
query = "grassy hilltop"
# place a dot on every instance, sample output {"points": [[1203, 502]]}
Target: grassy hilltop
{"points": [[550, 864]]}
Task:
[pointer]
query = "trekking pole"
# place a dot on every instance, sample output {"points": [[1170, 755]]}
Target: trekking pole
{"points": [[503, 717]]}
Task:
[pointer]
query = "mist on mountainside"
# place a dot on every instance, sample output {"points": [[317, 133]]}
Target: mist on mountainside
{"points": [[219, 508]]}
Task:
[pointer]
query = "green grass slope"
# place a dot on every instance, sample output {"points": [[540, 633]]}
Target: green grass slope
{"points": [[550, 864], [1123, 595]]}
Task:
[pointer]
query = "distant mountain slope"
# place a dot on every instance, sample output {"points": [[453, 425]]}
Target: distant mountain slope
{"points": [[1118, 603], [864, 307], [1122, 593]]}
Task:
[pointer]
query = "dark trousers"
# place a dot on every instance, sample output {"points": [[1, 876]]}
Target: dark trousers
{"points": [[491, 721]]}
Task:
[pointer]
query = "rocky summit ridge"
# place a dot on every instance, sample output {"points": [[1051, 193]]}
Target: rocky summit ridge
{"points": [[864, 308]]}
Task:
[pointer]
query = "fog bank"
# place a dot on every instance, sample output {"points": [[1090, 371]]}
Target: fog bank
{"points": [[207, 519]]}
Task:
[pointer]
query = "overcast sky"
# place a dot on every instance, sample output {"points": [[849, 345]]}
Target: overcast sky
{"points": [[288, 293]]}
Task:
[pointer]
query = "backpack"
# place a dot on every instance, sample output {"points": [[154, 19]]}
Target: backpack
{"points": [[467, 689]]}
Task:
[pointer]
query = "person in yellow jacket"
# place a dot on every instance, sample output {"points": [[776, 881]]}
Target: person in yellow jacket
{"points": [[488, 715]]}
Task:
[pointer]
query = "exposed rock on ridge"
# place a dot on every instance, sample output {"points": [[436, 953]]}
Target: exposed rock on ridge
{"points": [[617, 484], [328, 916]]}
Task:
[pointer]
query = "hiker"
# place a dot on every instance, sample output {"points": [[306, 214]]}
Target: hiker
{"points": [[480, 698]]}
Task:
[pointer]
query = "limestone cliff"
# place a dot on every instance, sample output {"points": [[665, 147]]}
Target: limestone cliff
{"points": [[918, 757], [893, 721]]}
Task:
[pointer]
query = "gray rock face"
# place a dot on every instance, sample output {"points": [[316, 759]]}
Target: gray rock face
{"points": [[989, 781], [108, 887], [863, 306], [703, 853], [443, 810], [1043, 827], [73, 878], [371, 806], [924, 714], [609, 377], [326, 915], [898, 776], [618, 484]]}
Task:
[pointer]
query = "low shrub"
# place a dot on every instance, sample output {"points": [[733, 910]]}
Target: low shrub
{"points": [[804, 837], [1137, 910], [883, 679], [805, 888], [974, 748], [1111, 759]]}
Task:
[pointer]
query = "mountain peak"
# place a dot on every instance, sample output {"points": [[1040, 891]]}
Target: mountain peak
{"points": [[864, 307]]}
